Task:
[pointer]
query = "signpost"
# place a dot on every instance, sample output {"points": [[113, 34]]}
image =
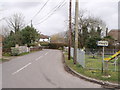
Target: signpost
{"points": [[103, 44]]}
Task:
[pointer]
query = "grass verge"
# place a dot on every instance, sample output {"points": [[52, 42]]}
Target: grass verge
{"points": [[7, 56], [92, 73]]}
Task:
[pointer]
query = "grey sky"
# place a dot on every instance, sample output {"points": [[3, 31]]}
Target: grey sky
{"points": [[107, 10]]}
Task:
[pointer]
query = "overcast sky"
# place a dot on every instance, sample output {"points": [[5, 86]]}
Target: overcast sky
{"points": [[107, 10]]}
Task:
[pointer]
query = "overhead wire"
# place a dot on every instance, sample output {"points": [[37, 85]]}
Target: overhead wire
{"points": [[53, 9], [39, 10], [51, 13]]}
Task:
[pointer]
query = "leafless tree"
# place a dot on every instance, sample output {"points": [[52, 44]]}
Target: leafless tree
{"points": [[89, 25], [5, 31], [16, 22], [90, 21]]}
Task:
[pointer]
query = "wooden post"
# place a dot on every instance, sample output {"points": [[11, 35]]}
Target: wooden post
{"points": [[70, 30], [106, 68], [76, 31], [103, 60]]}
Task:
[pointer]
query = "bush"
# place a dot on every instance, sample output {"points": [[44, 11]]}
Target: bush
{"points": [[44, 43], [57, 45], [7, 54], [15, 52], [32, 44]]}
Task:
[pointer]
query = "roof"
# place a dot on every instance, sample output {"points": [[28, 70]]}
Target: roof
{"points": [[115, 34], [44, 36]]}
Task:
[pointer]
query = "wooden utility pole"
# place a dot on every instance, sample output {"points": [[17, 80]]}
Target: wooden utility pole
{"points": [[70, 30], [76, 30], [31, 24]]}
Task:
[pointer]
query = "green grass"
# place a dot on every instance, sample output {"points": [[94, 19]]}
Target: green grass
{"points": [[23, 53], [3, 60], [95, 63], [7, 56]]}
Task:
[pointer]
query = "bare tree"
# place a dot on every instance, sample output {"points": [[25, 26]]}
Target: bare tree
{"points": [[16, 22], [58, 38], [5, 31], [88, 26]]}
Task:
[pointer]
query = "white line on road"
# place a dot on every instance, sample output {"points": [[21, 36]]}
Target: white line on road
{"points": [[38, 58], [21, 68], [46, 53], [28, 64]]}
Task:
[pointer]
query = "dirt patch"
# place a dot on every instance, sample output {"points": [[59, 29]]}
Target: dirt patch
{"points": [[6, 59]]}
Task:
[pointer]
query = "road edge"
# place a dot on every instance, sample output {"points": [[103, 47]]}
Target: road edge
{"points": [[104, 84]]}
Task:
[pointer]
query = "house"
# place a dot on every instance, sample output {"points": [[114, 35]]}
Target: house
{"points": [[115, 34], [44, 38], [0, 46]]}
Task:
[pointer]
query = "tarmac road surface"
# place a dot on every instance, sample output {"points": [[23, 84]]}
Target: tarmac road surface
{"points": [[42, 69]]}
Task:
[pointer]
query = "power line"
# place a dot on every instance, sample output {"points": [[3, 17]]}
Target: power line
{"points": [[40, 9], [53, 9], [49, 14], [58, 7], [3, 18]]}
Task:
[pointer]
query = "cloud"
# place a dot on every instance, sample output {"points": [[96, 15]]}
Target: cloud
{"points": [[107, 11], [24, 5]]}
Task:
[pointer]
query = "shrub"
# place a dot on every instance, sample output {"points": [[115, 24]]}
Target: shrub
{"points": [[6, 54], [57, 45], [44, 43], [32, 44], [15, 52]]}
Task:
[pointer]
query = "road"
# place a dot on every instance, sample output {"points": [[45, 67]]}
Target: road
{"points": [[42, 69]]}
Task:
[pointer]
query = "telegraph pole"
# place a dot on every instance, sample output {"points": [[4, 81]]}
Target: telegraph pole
{"points": [[76, 30], [31, 24], [70, 29]]}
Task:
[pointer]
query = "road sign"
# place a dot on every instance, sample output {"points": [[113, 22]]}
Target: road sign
{"points": [[102, 43]]}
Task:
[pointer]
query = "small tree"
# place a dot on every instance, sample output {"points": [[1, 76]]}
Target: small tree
{"points": [[12, 39], [92, 44], [29, 35]]}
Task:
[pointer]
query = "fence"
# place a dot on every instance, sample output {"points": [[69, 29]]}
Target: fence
{"points": [[93, 59], [80, 56], [99, 51], [19, 49]]}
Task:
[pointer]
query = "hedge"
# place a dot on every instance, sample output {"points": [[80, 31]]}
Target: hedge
{"points": [[57, 45]]}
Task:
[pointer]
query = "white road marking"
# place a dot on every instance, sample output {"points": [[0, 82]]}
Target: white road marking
{"points": [[46, 53], [38, 58], [28, 64], [21, 68]]}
